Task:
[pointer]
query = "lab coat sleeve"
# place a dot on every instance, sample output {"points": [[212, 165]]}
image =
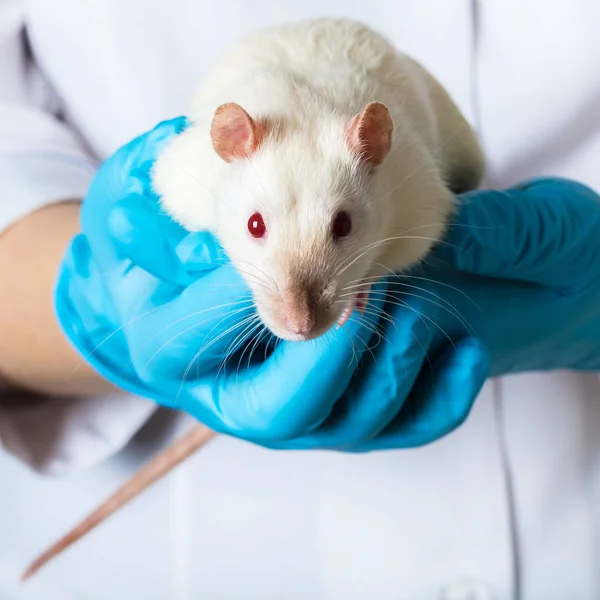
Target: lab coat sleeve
{"points": [[42, 161]]}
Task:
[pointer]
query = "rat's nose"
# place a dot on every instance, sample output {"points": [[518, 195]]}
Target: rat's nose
{"points": [[300, 322], [305, 305], [300, 310]]}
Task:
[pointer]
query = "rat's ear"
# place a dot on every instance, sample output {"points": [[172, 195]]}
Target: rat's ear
{"points": [[234, 133], [369, 133]]}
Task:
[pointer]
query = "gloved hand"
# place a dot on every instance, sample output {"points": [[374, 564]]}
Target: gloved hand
{"points": [[155, 309], [135, 286], [529, 258]]}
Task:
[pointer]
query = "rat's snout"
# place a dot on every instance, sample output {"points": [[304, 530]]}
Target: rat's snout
{"points": [[300, 319], [306, 308], [301, 309]]}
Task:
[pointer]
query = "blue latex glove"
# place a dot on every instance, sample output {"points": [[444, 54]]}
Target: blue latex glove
{"points": [[529, 258], [155, 310]]}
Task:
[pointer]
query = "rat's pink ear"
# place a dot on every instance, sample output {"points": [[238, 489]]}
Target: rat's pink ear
{"points": [[234, 133], [369, 133]]}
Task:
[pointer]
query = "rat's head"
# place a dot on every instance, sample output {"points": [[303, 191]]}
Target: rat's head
{"points": [[300, 217]]}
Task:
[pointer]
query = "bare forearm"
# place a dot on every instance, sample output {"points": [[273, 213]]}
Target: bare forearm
{"points": [[34, 354]]}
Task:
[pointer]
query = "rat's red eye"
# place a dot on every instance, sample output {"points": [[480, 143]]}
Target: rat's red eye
{"points": [[342, 225], [256, 225]]}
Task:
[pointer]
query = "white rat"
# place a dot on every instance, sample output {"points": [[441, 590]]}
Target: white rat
{"points": [[320, 157]]}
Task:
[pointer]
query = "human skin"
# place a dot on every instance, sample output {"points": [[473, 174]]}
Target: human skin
{"points": [[34, 354]]}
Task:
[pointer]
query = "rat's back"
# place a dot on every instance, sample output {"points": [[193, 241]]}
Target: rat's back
{"points": [[309, 68], [341, 62], [313, 50]]}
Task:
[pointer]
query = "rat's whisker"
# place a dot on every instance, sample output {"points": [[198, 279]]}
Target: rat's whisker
{"points": [[367, 325], [271, 340], [423, 316], [373, 345], [354, 257], [257, 280], [400, 235], [354, 359], [226, 354], [227, 332], [366, 310], [446, 285], [251, 331], [227, 316], [240, 339], [204, 348], [233, 346], [256, 333], [264, 333], [186, 330], [399, 302], [244, 321], [382, 315], [108, 337], [415, 337], [229, 313], [442, 302], [450, 310], [242, 303], [229, 285], [357, 283], [395, 236], [147, 313], [391, 239], [261, 271]]}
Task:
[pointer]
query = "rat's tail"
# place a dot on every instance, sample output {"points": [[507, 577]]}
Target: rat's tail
{"points": [[146, 476]]}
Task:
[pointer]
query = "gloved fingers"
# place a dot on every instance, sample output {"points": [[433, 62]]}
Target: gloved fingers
{"points": [[293, 391], [125, 173], [385, 378], [157, 244], [200, 252], [147, 240], [440, 400], [545, 232], [86, 315], [168, 331], [83, 309], [136, 157]]}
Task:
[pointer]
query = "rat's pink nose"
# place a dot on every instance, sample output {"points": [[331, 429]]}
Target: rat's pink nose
{"points": [[300, 322]]}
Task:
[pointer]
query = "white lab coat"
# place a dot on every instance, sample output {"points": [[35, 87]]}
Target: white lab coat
{"points": [[508, 507]]}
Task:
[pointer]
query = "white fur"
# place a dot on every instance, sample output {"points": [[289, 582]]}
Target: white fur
{"points": [[311, 77]]}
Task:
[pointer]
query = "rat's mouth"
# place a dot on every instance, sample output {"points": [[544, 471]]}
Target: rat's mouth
{"points": [[357, 301]]}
